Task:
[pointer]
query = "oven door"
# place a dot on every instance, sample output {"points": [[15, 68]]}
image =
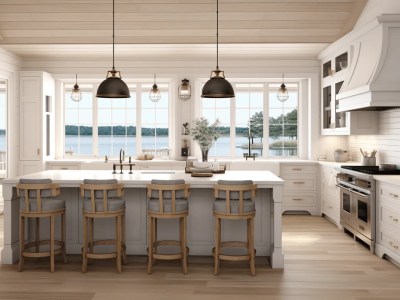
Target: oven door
{"points": [[362, 213], [346, 207]]}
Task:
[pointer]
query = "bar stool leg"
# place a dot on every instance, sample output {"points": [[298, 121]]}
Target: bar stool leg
{"points": [[52, 244], [250, 236], [182, 224], [217, 245], [150, 244], [118, 243], [85, 245], [21, 242]]}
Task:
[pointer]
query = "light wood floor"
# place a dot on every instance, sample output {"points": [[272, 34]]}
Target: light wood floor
{"points": [[321, 263]]}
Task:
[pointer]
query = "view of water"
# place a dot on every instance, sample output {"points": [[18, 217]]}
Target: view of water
{"points": [[2, 143], [111, 146]]}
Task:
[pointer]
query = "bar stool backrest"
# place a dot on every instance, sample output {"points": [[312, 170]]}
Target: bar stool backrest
{"points": [[168, 190], [36, 188], [235, 190], [101, 189]]}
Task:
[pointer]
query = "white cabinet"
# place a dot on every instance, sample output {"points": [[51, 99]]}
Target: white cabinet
{"points": [[388, 221], [333, 122], [329, 194], [36, 120], [300, 187]]}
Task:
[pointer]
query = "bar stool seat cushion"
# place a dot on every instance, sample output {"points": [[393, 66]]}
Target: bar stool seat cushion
{"points": [[180, 205], [48, 204], [220, 206], [113, 205]]}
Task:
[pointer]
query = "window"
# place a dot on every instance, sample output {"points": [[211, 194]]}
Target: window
{"points": [[97, 126], [243, 123]]}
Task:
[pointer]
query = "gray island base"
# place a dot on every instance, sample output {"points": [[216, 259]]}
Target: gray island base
{"points": [[200, 231]]}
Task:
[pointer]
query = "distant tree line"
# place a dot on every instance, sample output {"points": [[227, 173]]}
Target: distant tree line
{"points": [[2, 132], [114, 130], [284, 125]]}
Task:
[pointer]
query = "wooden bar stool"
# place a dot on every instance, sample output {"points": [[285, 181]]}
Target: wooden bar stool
{"points": [[36, 201], [102, 199], [167, 200], [233, 201]]}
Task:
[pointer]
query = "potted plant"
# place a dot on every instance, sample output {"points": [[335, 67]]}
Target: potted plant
{"points": [[204, 134]]}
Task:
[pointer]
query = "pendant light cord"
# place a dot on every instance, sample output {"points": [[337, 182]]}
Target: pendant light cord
{"points": [[113, 34], [217, 37], [76, 78]]}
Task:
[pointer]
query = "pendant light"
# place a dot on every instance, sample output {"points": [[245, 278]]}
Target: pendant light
{"points": [[76, 94], [113, 86], [283, 93], [217, 86], [184, 90], [155, 94]]}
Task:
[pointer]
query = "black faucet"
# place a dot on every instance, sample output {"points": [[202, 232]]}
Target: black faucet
{"points": [[121, 155]]}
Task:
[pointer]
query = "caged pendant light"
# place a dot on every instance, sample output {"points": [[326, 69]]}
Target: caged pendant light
{"points": [[217, 86], [113, 86], [155, 94], [76, 94], [283, 93]]}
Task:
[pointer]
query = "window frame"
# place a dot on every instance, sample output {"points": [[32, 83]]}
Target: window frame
{"points": [[266, 89], [137, 90]]}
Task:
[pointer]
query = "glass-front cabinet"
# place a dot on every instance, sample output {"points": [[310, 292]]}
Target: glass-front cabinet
{"points": [[334, 72]]}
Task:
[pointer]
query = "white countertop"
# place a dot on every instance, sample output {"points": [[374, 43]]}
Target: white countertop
{"points": [[140, 178]]}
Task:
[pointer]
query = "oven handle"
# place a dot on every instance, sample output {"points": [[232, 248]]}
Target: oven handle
{"points": [[352, 190], [360, 194]]}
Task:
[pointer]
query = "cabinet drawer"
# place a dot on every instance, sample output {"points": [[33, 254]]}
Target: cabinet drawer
{"points": [[390, 192], [64, 167], [298, 169], [299, 200], [390, 242], [330, 208], [299, 183], [390, 216]]}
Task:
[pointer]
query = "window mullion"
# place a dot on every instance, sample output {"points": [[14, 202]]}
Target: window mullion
{"points": [[95, 129], [266, 121], [233, 127]]}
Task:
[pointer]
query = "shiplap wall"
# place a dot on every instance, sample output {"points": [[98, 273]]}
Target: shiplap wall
{"points": [[387, 142]]}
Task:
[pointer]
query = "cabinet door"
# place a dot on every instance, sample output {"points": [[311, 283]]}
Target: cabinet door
{"points": [[30, 118]]}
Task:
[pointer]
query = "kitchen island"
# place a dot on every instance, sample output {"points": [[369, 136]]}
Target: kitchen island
{"points": [[200, 232]]}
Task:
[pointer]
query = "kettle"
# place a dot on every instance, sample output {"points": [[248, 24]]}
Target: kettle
{"points": [[341, 155]]}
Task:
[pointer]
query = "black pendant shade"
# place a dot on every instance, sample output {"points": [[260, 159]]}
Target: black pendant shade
{"points": [[217, 86], [113, 86]]}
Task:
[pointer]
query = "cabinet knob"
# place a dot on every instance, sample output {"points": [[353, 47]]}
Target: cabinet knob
{"points": [[393, 245], [393, 195], [394, 219], [297, 169], [298, 182], [297, 199]]}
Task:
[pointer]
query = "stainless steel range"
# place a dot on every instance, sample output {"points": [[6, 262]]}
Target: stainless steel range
{"points": [[357, 200]]}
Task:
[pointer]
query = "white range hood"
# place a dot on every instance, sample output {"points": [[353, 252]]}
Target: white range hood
{"points": [[373, 78]]}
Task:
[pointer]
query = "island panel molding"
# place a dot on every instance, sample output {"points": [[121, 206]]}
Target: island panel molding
{"points": [[268, 221]]}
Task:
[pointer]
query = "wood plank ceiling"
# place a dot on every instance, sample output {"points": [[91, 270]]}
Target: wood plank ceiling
{"points": [[143, 22]]}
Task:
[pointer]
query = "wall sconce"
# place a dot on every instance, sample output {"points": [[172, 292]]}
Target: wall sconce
{"points": [[184, 90], [76, 94], [155, 94]]}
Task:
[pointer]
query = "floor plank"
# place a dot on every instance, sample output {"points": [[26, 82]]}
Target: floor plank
{"points": [[321, 262]]}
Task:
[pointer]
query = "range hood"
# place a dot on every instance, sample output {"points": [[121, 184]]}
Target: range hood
{"points": [[373, 78]]}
